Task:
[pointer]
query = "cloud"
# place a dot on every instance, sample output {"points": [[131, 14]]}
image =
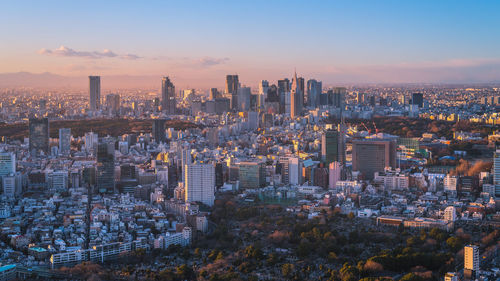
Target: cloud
{"points": [[208, 61], [64, 51]]}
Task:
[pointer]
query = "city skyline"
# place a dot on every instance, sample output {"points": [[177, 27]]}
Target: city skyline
{"points": [[363, 42]]}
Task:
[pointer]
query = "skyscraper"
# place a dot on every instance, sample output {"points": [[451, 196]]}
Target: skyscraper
{"points": [[471, 260], [339, 97], [262, 97], [496, 171], [330, 147], [159, 130], [314, 89], [232, 85], [417, 99], [283, 88], [113, 104], [199, 183], [7, 163], [244, 94], [64, 141], [296, 98], [105, 167], [91, 139], [95, 92], [370, 156], [39, 135], [167, 96], [213, 94]]}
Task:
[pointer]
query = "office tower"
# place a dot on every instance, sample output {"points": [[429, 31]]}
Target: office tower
{"points": [[7, 163], [334, 172], [159, 130], [232, 85], [496, 171], [113, 104], [283, 88], [39, 135], [167, 96], [105, 167], [244, 98], [471, 260], [370, 156], [417, 99], [252, 174], [339, 97], [213, 94], [95, 92], [186, 159], [199, 183], [219, 175], [11, 186], [272, 94], [64, 141], [296, 98], [91, 139], [295, 170], [262, 97], [314, 89], [360, 98], [331, 147]]}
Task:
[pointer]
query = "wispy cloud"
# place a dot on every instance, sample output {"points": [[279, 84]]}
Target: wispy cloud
{"points": [[209, 61], [64, 51]]}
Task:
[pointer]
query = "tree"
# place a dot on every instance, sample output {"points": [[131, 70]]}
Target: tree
{"points": [[411, 277], [454, 243]]}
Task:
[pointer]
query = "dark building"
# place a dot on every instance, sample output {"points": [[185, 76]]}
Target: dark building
{"points": [[39, 135], [272, 94], [168, 102], [320, 177], [331, 147], [232, 85], [338, 97], [219, 175], [159, 130], [213, 94], [105, 167], [417, 99], [370, 156], [283, 88]]}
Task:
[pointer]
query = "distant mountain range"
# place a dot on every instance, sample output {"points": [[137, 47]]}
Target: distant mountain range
{"points": [[50, 80]]}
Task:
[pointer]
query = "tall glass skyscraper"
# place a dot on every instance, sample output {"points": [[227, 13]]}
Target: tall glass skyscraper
{"points": [[64, 141], [39, 135], [105, 167], [232, 85], [496, 171], [95, 92], [168, 96]]}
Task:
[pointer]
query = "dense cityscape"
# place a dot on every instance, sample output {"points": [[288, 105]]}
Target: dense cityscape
{"points": [[250, 140], [290, 179]]}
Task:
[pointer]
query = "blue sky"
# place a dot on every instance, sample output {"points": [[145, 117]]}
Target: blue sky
{"points": [[337, 41]]}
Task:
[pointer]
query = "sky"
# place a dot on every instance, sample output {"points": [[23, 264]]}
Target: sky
{"points": [[197, 43]]}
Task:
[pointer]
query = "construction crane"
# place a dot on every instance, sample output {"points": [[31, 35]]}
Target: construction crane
{"points": [[375, 126], [368, 130]]}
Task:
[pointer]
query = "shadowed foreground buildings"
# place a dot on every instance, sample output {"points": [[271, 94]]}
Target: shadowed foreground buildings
{"points": [[370, 156]]}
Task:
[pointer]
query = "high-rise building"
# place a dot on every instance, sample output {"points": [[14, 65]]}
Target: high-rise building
{"points": [[7, 163], [334, 174], [91, 140], [283, 89], [314, 89], [244, 94], [417, 99], [471, 260], [232, 85], [113, 104], [496, 171], [64, 141], [159, 130], [296, 98], [39, 135], [330, 147], [105, 167], [95, 92], [262, 97], [339, 94], [213, 94], [252, 174], [370, 156], [186, 159], [168, 102], [200, 183]]}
